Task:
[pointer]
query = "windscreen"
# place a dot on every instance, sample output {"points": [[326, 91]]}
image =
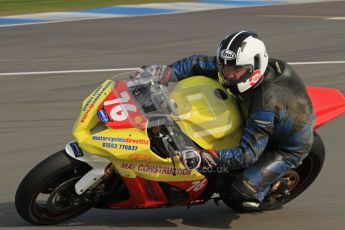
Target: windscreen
{"points": [[200, 106]]}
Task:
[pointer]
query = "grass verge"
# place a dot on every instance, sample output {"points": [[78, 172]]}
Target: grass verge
{"points": [[16, 7]]}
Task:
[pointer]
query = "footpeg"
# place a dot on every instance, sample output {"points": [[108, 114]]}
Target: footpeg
{"points": [[216, 201]]}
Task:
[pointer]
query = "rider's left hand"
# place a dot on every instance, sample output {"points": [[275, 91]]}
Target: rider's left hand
{"points": [[160, 73], [209, 160]]}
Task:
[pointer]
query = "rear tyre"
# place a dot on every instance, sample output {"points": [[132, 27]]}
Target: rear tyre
{"points": [[47, 196], [297, 180]]}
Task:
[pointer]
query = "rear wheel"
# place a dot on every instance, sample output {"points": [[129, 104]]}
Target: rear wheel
{"points": [[47, 196], [295, 181]]}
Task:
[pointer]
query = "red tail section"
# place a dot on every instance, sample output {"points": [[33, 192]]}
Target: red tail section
{"points": [[328, 104]]}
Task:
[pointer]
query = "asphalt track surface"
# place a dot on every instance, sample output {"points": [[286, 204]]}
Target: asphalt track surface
{"points": [[38, 111]]}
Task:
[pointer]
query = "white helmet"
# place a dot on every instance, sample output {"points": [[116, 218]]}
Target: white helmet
{"points": [[242, 60]]}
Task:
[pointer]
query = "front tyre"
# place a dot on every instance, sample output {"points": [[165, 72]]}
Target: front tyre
{"points": [[46, 195], [297, 181]]}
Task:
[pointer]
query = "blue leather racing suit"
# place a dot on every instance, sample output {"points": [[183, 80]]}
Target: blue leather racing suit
{"points": [[278, 131]]}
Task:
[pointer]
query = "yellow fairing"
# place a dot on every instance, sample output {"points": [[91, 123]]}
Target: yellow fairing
{"points": [[128, 149], [212, 122], [207, 113]]}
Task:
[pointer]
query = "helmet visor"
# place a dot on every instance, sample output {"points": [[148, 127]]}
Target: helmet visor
{"points": [[235, 73]]}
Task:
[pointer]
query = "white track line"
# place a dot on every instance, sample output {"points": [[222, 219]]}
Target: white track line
{"points": [[132, 69], [336, 18], [68, 71], [317, 63]]}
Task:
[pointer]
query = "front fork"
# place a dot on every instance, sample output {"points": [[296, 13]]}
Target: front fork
{"points": [[99, 167]]}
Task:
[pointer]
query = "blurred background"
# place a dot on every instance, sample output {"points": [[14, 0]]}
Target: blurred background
{"points": [[89, 41]]}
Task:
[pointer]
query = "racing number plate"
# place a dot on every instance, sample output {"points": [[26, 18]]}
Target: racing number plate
{"points": [[119, 110]]}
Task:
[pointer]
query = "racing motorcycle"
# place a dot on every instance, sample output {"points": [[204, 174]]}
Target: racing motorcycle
{"points": [[136, 146]]}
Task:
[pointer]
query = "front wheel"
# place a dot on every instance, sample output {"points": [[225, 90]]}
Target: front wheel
{"points": [[296, 180], [47, 196]]}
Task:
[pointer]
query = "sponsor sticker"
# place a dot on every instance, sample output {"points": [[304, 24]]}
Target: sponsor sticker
{"points": [[227, 54], [155, 169], [121, 139], [93, 99], [257, 75], [140, 157], [119, 146], [103, 116], [76, 149]]}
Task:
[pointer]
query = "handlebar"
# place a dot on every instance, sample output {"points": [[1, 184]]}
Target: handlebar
{"points": [[155, 101]]}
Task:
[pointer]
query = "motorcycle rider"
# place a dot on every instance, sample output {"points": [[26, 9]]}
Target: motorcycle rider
{"points": [[273, 100]]}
